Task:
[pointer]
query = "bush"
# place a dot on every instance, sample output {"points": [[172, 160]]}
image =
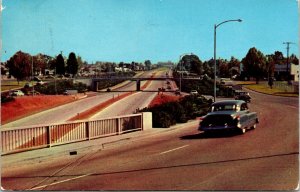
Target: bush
{"points": [[181, 111], [61, 86], [6, 98], [162, 119]]}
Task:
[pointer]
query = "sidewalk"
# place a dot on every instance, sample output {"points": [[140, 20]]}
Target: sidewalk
{"points": [[44, 154]]}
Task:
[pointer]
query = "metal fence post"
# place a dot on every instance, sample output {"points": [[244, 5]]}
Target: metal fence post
{"points": [[87, 130], [119, 130], [48, 134]]}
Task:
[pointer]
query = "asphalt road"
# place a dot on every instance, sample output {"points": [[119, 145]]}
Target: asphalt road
{"points": [[183, 159], [138, 100]]}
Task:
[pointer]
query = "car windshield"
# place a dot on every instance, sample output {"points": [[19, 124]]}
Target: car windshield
{"points": [[224, 107]]}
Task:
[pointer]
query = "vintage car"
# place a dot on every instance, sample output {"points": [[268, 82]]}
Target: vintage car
{"points": [[229, 115], [242, 95]]}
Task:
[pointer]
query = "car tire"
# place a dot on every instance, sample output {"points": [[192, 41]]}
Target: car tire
{"points": [[254, 126], [243, 131]]}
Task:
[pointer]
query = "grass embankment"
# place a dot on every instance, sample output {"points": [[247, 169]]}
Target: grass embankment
{"points": [[278, 89], [12, 84], [28, 105]]}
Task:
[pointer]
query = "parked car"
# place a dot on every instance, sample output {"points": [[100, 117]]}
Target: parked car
{"points": [[229, 115], [194, 92], [177, 92], [208, 97], [33, 92], [16, 93], [28, 85], [242, 95], [40, 82]]}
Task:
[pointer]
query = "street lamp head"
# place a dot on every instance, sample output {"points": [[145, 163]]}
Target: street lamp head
{"points": [[239, 20]]}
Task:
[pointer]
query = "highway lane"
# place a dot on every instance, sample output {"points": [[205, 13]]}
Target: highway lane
{"points": [[133, 102], [184, 159], [65, 112]]}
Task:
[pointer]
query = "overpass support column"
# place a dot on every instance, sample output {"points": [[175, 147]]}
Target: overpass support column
{"points": [[138, 85]]}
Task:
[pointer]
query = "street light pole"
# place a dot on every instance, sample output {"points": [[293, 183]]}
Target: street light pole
{"points": [[215, 50]]}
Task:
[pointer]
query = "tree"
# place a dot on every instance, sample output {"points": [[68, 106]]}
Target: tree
{"points": [[293, 59], [20, 65], [223, 68], [148, 64], [234, 66], [208, 68], [80, 62], [60, 65], [191, 63], [40, 62], [72, 64], [254, 64], [52, 63], [278, 57]]}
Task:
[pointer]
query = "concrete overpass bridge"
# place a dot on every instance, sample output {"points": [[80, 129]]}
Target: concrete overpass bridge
{"points": [[93, 82]]}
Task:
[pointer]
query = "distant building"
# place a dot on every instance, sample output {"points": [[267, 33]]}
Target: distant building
{"points": [[295, 72], [166, 64], [280, 71]]}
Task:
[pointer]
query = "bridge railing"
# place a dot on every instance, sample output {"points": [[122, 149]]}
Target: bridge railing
{"points": [[41, 136]]}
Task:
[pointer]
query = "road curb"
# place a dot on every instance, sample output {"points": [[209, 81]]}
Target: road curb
{"points": [[268, 94]]}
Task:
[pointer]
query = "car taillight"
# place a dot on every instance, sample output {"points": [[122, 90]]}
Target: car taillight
{"points": [[201, 118]]}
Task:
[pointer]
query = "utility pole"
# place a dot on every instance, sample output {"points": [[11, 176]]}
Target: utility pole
{"points": [[287, 59], [32, 76]]}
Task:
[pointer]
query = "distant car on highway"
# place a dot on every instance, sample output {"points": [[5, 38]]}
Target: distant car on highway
{"points": [[16, 93], [229, 115]]}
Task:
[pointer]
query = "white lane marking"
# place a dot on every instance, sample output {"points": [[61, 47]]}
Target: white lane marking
{"points": [[58, 182], [173, 149], [292, 106]]}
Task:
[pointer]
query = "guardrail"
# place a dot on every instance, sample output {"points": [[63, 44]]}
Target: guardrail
{"points": [[41, 136]]}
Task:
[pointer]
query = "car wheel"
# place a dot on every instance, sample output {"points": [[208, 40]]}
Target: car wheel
{"points": [[254, 126], [243, 131]]}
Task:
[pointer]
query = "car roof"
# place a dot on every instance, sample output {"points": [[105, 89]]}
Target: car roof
{"points": [[229, 102]]}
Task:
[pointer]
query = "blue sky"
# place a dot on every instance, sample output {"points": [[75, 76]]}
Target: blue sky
{"points": [[137, 30]]}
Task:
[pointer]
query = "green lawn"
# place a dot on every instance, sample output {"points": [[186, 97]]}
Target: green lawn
{"points": [[280, 89], [11, 84]]}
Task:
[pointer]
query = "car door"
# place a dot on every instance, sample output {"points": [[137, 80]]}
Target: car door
{"points": [[244, 115]]}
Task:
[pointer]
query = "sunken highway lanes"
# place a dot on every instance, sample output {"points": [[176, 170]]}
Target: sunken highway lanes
{"points": [[182, 158], [65, 112]]}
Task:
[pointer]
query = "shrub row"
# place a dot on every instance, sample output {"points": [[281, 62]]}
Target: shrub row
{"points": [[60, 86], [6, 98], [204, 87], [188, 107]]}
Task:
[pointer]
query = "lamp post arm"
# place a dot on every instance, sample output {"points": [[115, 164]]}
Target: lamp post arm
{"points": [[239, 20]]}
